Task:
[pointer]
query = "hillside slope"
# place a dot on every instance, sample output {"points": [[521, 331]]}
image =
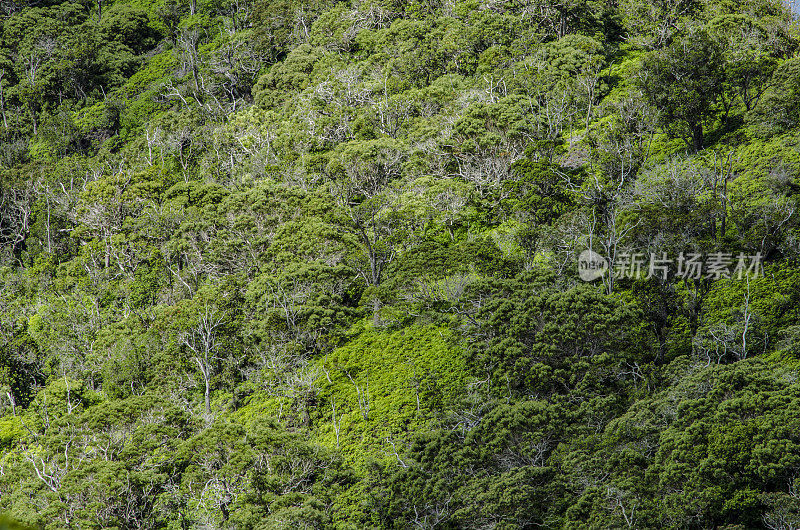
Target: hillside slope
{"points": [[287, 264]]}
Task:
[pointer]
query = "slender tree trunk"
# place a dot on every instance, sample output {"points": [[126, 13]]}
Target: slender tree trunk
{"points": [[724, 202], [697, 136], [208, 398], [3, 103], [205, 369], [376, 313], [13, 403], [49, 247], [195, 75]]}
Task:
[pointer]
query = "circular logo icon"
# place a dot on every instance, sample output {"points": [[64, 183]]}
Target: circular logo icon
{"points": [[591, 265]]}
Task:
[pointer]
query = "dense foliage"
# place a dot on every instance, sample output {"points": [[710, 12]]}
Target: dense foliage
{"points": [[287, 264]]}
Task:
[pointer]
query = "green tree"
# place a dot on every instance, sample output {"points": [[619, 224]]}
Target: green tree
{"points": [[684, 82], [775, 111]]}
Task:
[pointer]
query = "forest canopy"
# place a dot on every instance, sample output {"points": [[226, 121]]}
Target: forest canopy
{"points": [[273, 264]]}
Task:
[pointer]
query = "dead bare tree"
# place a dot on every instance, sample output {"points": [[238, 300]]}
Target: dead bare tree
{"points": [[202, 340]]}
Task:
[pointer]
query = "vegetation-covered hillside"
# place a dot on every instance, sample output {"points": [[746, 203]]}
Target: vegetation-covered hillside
{"points": [[286, 264]]}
